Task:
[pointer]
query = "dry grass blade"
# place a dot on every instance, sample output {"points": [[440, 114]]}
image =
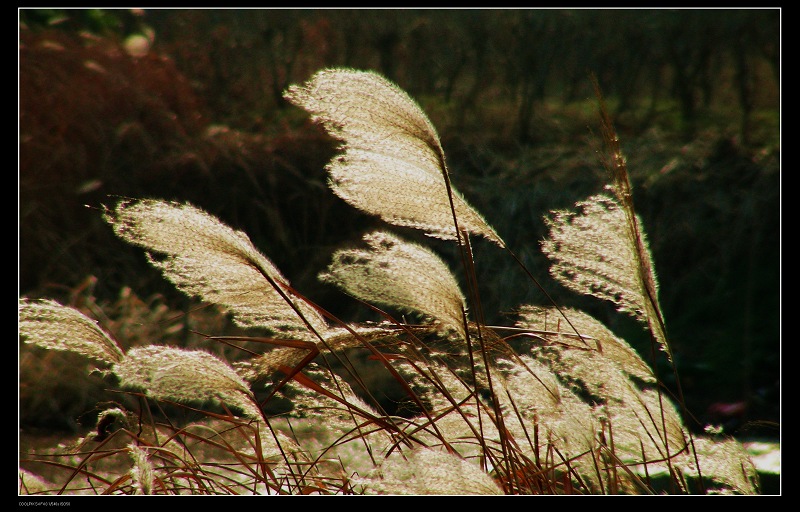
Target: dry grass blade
{"points": [[392, 163], [31, 483], [617, 165]]}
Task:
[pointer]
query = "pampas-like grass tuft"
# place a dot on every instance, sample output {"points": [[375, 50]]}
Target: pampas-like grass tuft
{"points": [[203, 257], [53, 326], [597, 341], [399, 274], [429, 471], [188, 376], [597, 252], [572, 409], [392, 163]]}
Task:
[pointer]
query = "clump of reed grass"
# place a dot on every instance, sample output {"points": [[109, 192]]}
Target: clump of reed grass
{"points": [[554, 404]]}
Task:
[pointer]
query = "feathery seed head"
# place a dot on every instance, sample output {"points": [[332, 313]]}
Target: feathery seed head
{"points": [[142, 470], [726, 463], [204, 257], [337, 339], [602, 251], [167, 373], [392, 164], [395, 273], [427, 471], [597, 340], [50, 325]]}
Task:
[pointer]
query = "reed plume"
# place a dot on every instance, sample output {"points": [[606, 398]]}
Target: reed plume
{"points": [[53, 326], [162, 372], [727, 463], [399, 274], [616, 164], [572, 409], [391, 162], [167, 373], [429, 471], [142, 470], [337, 339], [596, 339], [204, 257], [595, 251]]}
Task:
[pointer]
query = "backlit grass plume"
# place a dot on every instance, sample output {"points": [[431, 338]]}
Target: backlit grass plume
{"points": [[616, 164], [186, 376], [533, 391], [399, 274], [555, 404], [646, 426], [595, 252], [727, 463], [391, 162], [50, 325], [338, 415], [141, 471], [204, 257], [597, 339], [428, 471]]}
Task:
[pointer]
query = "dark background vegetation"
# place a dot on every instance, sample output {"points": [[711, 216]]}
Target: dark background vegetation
{"points": [[196, 114]]}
